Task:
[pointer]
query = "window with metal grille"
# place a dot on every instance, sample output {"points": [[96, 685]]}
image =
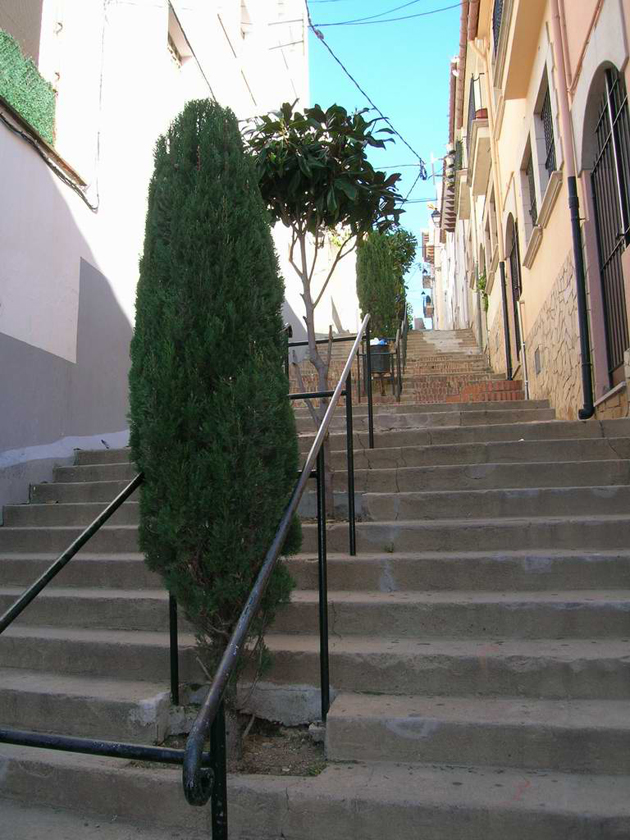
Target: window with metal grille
{"points": [[550, 144], [497, 16], [472, 109], [533, 205]]}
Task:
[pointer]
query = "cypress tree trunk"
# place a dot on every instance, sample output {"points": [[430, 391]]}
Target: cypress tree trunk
{"points": [[211, 426]]}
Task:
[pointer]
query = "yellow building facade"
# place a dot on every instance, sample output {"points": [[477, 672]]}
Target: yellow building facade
{"points": [[537, 193]]}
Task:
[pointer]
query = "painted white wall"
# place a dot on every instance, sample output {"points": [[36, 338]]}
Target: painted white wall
{"points": [[117, 90]]}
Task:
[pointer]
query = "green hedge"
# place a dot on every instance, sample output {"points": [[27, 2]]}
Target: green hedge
{"points": [[24, 89]]}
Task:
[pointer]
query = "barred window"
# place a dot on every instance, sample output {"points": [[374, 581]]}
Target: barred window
{"points": [[497, 16], [533, 206], [550, 145]]}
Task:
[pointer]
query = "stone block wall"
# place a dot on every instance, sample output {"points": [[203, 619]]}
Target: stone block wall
{"points": [[496, 344], [553, 348]]}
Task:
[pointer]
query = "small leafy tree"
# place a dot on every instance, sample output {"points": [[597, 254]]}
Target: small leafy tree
{"points": [[211, 426], [315, 175]]}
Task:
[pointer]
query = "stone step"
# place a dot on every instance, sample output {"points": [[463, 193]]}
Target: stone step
{"points": [[567, 532], [579, 736], [495, 504], [91, 707], [585, 614], [537, 669], [437, 571], [384, 422], [345, 801]]}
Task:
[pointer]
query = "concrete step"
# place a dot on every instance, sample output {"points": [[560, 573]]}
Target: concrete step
{"points": [[537, 669], [384, 422], [96, 609], [31, 822], [584, 614], [426, 571], [453, 615], [91, 707], [549, 473], [496, 504], [53, 512], [345, 801], [465, 434], [89, 653], [113, 571], [514, 571], [568, 532], [478, 461], [579, 736]]}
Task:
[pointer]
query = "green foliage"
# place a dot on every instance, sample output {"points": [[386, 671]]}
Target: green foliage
{"points": [[211, 426], [378, 284], [404, 245], [24, 89], [383, 259], [481, 285], [314, 171]]}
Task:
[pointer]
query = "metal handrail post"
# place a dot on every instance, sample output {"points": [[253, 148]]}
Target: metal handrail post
{"points": [[323, 585], [368, 377], [174, 648], [218, 751], [350, 466]]}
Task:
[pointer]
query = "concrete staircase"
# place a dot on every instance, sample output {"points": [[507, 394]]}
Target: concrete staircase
{"points": [[480, 640]]}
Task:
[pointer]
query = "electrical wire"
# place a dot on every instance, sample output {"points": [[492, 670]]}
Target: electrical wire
{"points": [[320, 37], [49, 162], [382, 14], [365, 22]]}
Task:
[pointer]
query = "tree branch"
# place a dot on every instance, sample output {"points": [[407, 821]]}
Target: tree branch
{"points": [[302, 387], [340, 255]]}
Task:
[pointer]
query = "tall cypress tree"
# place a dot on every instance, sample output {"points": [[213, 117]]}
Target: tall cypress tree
{"points": [[378, 286], [211, 426]]}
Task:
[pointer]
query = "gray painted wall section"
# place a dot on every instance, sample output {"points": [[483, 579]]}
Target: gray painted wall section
{"points": [[50, 406]]}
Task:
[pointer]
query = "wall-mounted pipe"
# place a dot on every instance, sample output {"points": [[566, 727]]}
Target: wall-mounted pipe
{"points": [[568, 147]]}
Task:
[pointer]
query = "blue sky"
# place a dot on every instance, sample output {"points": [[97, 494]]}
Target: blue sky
{"points": [[403, 66]]}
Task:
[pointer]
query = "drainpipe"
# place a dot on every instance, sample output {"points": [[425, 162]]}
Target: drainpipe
{"points": [[498, 200], [588, 408]]}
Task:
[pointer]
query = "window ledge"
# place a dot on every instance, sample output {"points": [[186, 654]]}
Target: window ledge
{"points": [[533, 246], [549, 200], [616, 390], [43, 146]]}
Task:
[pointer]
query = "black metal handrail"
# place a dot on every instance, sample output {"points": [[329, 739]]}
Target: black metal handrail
{"points": [[198, 782], [35, 588]]}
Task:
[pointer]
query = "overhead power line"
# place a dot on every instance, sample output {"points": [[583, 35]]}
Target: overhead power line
{"points": [[367, 22], [320, 36], [382, 14]]}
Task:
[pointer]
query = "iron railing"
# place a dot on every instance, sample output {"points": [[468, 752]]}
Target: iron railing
{"points": [[201, 783], [531, 183], [204, 773]]}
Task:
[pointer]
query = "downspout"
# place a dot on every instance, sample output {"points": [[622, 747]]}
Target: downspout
{"points": [[588, 408], [498, 200]]}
